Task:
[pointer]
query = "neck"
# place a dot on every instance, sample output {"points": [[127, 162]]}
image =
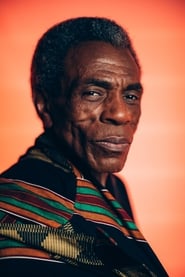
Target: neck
{"points": [[100, 177]]}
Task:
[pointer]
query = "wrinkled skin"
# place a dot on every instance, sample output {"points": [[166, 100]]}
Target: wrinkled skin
{"points": [[98, 111]]}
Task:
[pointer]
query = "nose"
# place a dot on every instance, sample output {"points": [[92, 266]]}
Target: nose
{"points": [[116, 111]]}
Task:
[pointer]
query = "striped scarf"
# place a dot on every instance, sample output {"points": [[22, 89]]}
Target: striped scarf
{"points": [[38, 221]]}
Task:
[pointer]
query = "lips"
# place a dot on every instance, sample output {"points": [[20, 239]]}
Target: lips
{"points": [[113, 143]]}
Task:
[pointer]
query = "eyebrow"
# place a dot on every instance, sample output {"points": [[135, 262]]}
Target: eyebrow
{"points": [[108, 85], [99, 83], [105, 84], [136, 86]]}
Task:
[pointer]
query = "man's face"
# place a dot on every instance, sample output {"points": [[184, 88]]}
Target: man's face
{"points": [[98, 111]]}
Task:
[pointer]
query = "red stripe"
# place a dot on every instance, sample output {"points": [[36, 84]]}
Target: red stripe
{"points": [[91, 200], [32, 200]]}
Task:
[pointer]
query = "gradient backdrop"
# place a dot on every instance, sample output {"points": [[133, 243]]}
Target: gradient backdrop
{"points": [[154, 171]]}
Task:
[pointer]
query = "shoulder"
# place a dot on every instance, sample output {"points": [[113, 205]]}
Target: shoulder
{"points": [[44, 174]]}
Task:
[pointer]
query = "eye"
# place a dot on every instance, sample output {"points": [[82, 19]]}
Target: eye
{"points": [[92, 95], [132, 97]]}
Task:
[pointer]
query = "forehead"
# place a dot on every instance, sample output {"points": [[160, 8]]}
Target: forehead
{"points": [[102, 58]]}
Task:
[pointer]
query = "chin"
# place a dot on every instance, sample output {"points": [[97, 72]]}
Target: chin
{"points": [[116, 169], [112, 167]]}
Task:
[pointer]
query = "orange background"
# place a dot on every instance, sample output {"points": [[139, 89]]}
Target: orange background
{"points": [[154, 171]]}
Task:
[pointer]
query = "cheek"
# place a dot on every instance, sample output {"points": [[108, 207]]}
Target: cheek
{"points": [[72, 128], [135, 114], [84, 113], [72, 122]]}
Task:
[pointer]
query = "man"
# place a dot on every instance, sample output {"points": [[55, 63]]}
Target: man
{"points": [[62, 210]]}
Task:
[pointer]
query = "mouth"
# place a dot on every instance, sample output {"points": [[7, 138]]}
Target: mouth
{"points": [[113, 144]]}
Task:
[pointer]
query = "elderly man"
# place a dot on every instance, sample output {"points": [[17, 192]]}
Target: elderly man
{"points": [[62, 210]]}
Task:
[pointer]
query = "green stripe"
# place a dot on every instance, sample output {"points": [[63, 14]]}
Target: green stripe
{"points": [[103, 211], [56, 205], [131, 225], [116, 204], [43, 213], [12, 186], [10, 244], [51, 202], [98, 210], [82, 190]]}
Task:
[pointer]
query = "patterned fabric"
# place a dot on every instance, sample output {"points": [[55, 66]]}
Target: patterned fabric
{"points": [[63, 243], [39, 204], [91, 231], [93, 206], [56, 235]]}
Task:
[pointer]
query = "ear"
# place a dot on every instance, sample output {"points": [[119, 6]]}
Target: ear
{"points": [[42, 107]]}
